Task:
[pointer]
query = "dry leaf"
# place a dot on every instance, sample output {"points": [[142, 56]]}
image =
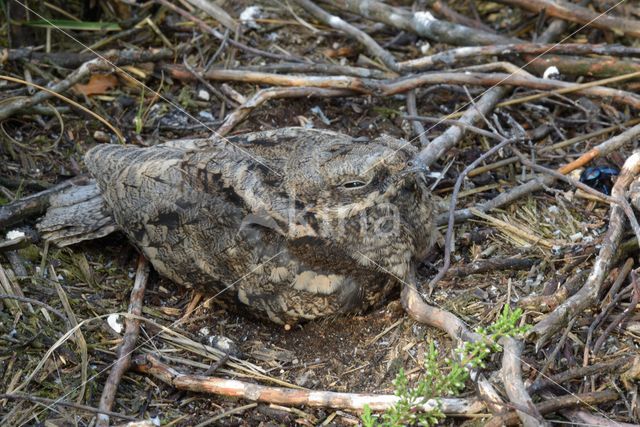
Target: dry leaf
{"points": [[99, 84]]}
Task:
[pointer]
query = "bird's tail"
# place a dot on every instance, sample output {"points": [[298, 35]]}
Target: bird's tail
{"points": [[78, 213]]}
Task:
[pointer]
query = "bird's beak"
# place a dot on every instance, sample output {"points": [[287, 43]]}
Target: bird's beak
{"points": [[415, 167]]}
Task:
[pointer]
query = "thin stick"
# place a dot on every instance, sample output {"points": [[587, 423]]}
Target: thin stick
{"points": [[58, 313], [579, 14], [452, 208], [23, 103], [50, 402], [556, 404], [128, 344], [580, 372], [536, 184], [150, 364], [34, 204], [452, 56], [340, 24], [265, 95], [422, 23], [514, 386], [412, 109], [619, 319]]}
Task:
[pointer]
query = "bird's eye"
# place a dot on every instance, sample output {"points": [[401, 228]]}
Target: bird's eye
{"points": [[350, 185]]}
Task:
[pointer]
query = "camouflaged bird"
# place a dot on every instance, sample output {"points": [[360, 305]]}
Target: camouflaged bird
{"points": [[291, 224]]}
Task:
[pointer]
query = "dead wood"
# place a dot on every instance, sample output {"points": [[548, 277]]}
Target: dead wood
{"points": [[150, 364], [489, 395], [548, 303], [579, 14], [607, 66], [85, 70], [585, 418], [452, 207], [423, 24], [264, 95], [216, 12], [76, 59], [457, 18], [340, 24], [598, 67], [617, 321], [617, 365], [433, 316], [26, 300], [128, 345], [613, 296], [514, 386], [404, 84], [454, 134], [495, 264], [557, 404], [33, 205], [206, 28]]}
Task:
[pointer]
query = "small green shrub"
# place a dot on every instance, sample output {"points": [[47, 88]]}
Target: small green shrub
{"points": [[444, 378]]}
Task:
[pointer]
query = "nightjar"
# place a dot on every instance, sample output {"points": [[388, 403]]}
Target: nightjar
{"points": [[290, 224]]}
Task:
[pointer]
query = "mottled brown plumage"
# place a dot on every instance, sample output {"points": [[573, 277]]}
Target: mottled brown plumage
{"points": [[292, 224]]}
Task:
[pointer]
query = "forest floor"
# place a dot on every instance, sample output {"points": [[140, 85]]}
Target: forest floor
{"points": [[536, 252]]}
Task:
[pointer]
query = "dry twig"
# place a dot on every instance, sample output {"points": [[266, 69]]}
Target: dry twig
{"points": [[340, 24], [282, 396], [514, 386], [132, 330], [581, 15]]}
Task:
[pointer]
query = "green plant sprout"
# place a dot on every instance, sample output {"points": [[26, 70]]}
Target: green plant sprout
{"points": [[444, 378]]}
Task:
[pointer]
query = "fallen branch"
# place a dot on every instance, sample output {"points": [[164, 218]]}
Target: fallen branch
{"points": [[599, 67], [340, 24], [514, 386], [556, 404], [581, 15], [422, 23], [612, 366], [35, 204], [128, 345], [26, 300], [494, 264], [453, 56], [85, 70], [75, 59], [547, 303], [206, 28], [454, 134], [149, 364], [422, 312], [264, 95], [619, 319], [613, 296], [216, 12], [591, 289], [452, 207], [403, 84], [581, 417]]}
